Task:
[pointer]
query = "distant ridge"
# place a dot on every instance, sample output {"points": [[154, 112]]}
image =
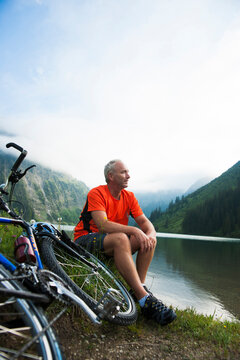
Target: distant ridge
{"points": [[212, 210], [198, 184], [47, 195]]}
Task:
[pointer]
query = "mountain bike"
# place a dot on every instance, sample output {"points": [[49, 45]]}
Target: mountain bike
{"points": [[85, 275]]}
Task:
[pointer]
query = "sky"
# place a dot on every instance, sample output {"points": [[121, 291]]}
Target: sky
{"points": [[155, 83]]}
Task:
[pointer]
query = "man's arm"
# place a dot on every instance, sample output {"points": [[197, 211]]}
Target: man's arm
{"points": [[146, 240], [146, 226], [106, 226]]}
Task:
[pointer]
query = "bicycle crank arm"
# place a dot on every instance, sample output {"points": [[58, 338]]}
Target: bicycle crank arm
{"points": [[62, 291]]}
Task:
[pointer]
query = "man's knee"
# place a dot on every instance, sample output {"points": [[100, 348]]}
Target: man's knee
{"points": [[155, 242], [116, 241]]}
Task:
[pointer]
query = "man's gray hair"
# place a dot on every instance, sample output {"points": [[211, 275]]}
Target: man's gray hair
{"points": [[109, 168]]}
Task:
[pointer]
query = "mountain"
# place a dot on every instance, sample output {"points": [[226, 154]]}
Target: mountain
{"points": [[152, 200], [46, 194], [198, 184], [214, 209]]}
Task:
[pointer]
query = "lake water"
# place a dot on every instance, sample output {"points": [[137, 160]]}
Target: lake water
{"points": [[204, 275]]}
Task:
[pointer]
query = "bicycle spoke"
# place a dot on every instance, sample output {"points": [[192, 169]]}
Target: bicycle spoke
{"points": [[5, 351], [14, 331]]}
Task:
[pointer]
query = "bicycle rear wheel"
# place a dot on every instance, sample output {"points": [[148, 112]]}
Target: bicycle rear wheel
{"points": [[25, 332], [89, 278]]}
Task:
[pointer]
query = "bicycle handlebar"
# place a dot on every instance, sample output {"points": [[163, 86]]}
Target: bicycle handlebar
{"points": [[15, 146], [21, 156]]}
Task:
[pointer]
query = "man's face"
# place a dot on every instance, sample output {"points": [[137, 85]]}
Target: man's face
{"points": [[120, 175]]}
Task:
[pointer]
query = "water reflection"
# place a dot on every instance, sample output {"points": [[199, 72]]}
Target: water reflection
{"points": [[203, 275]]}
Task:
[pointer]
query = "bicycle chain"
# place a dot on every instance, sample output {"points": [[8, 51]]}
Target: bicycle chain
{"points": [[47, 283]]}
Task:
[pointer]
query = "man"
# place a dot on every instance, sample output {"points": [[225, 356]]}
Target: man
{"points": [[104, 226]]}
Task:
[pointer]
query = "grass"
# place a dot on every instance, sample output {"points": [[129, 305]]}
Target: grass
{"points": [[8, 235], [191, 325], [206, 328]]}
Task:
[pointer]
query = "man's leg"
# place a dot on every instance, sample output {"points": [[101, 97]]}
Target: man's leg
{"points": [[118, 245], [143, 259]]}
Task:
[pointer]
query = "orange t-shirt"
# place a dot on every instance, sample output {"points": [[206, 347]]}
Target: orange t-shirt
{"points": [[117, 211]]}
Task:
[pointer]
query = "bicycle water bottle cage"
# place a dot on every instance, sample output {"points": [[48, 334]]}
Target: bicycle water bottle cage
{"points": [[108, 306]]}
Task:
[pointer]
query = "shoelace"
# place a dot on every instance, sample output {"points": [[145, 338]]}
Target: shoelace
{"points": [[156, 304]]}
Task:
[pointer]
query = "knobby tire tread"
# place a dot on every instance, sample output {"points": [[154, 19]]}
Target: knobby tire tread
{"points": [[46, 247]]}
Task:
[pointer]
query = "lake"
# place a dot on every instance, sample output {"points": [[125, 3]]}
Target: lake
{"points": [[204, 275]]}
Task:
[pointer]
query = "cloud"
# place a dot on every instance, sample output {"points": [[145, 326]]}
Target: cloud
{"points": [[6, 133], [155, 83]]}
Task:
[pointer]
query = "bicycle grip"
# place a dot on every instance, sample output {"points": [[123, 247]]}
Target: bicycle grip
{"points": [[21, 156], [15, 146]]}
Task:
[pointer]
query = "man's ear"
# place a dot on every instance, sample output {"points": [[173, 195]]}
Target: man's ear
{"points": [[110, 176]]}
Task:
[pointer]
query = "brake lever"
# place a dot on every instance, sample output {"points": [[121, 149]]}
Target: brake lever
{"points": [[15, 177], [26, 170]]}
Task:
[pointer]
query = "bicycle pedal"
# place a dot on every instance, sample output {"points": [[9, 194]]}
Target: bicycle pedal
{"points": [[108, 306]]}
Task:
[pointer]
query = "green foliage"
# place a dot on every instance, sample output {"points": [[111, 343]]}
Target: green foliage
{"points": [[219, 215], [70, 216], [155, 214], [206, 328], [213, 209], [8, 235]]}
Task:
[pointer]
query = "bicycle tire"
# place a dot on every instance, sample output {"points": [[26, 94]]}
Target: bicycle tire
{"points": [[23, 323], [88, 277]]}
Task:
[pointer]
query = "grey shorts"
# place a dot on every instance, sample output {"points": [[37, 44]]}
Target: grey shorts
{"points": [[93, 242]]}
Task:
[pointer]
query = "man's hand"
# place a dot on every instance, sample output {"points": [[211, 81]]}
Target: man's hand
{"points": [[146, 243]]}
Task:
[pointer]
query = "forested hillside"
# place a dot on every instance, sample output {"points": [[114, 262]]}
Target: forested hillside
{"points": [[46, 195], [214, 209]]}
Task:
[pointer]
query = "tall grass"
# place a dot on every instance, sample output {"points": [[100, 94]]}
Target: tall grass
{"points": [[8, 235]]}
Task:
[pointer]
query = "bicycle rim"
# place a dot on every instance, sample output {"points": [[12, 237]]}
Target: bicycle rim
{"points": [[89, 278], [24, 329]]}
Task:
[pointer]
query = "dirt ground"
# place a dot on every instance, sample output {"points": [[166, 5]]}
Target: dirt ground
{"points": [[80, 339]]}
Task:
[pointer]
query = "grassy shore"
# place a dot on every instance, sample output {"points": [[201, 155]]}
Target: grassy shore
{"points": [[190, 336]]}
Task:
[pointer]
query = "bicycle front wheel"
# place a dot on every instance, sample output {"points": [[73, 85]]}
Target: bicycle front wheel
{"points": [[25, 332], [89, 278]]}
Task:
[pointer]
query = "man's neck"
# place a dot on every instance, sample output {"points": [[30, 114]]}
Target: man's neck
{"points": [[115, 191]]}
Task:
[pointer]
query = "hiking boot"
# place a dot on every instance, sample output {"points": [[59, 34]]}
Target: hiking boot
{"points": [[131, 292], [156, 310]]}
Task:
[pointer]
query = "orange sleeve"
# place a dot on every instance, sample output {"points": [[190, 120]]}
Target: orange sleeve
{"points": [[96, 200], [135, 209]]}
